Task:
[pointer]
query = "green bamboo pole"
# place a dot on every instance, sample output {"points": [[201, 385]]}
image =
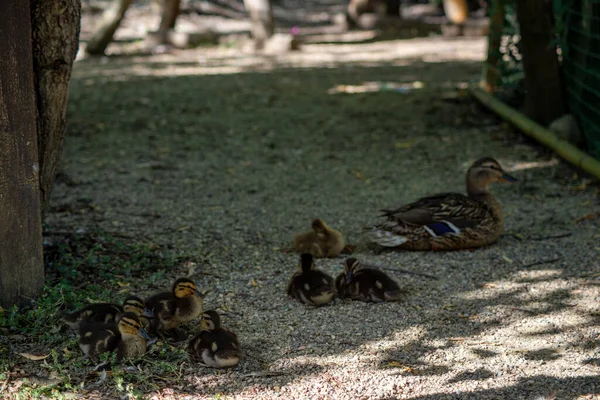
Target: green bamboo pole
{"points": [[563, 148]]}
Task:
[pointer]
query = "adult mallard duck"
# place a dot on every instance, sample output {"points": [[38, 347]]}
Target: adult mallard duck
{"points": [[448, 221]]}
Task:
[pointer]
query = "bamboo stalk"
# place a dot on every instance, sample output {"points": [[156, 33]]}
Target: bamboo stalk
{"points": [[563, 148], [491, 74]]}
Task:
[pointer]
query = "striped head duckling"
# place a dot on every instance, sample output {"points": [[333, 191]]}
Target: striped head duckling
{"points": [[108, 312], [309, 285], [215, 346], [366, 284], [127, 337], [175, 308]]}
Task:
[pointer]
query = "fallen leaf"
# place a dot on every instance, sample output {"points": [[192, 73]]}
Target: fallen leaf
{"points": [[393, 364], [405, 145], [33, 356], [253, 282], [122, 284], [584, 184], [396, 364], [359, 175], [191, 270], [586, 217]]}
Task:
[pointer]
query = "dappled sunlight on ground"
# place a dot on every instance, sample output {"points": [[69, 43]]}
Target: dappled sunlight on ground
{"points": [[230, 61]]}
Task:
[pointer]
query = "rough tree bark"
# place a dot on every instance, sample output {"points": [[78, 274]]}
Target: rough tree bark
{"points": [[55, 38], [457, 11], [21, 264], [38, 41], [263, 26], [392, 8], [544, 100], [109, 23], [169, 11]]}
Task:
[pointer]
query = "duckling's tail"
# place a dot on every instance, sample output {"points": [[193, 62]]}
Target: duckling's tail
{"points": [[385, 238]]}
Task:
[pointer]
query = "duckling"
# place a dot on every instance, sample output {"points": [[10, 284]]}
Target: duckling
{"points": [[175, 308], [365, 284], [127, 337], [108, 312], [448, 221], [309, 285], [214, 346], [322, 242]]}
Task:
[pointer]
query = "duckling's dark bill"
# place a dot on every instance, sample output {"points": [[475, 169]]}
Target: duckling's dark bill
{"points": [[142, 332], [147, 313]]}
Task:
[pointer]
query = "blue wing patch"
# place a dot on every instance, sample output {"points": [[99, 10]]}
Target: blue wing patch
{"points": [[441, 228]]}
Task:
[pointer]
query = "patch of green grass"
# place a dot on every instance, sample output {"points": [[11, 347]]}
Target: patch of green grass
{"points": [[79, 269]]}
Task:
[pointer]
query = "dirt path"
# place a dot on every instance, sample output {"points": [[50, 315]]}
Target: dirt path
{"points": [[224, 169]]}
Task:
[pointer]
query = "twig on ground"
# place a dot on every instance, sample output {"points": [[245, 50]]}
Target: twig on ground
{"points": [[262, 374], [524, 310], [549, 261], [590, 216], [406, 271], [560, 236]]}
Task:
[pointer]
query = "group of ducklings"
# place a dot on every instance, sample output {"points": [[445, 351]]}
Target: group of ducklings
{"points": [[108, 327], [447, 221], [357, 282]]}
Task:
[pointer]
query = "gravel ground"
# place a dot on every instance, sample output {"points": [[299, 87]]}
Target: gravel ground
{"points": [[226, 168]]}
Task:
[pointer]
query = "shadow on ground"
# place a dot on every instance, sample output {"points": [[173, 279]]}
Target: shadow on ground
{"points": [[223, 169]]}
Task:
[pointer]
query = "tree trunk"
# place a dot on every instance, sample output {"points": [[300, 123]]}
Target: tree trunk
{"points": [[544, 101], [263, 26], [109, 22], [457, 11], [392, 8], [21, 263], [55, 37], [169, 11]]}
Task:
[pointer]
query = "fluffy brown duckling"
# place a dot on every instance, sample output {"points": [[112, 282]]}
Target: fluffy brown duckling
{"points": [[309, 285], [175, 308], [215, 346], [127, 337], [366, 284], [323, 241], [108, 312]]}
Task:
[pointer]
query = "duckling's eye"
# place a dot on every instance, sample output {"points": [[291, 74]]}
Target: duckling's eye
{"points": [[132, 324]]}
